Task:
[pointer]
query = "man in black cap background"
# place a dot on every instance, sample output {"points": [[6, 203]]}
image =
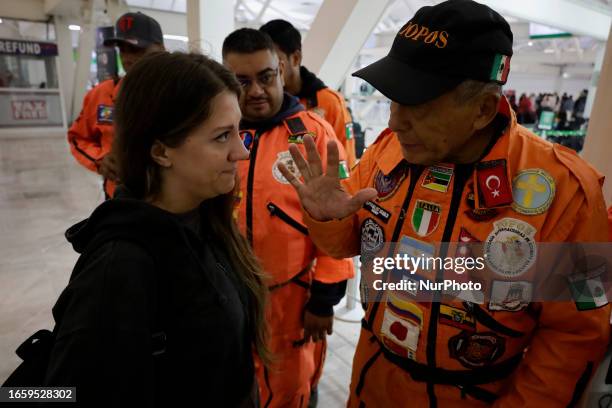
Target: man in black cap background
{"points": [[91, 135], [455, 167]]}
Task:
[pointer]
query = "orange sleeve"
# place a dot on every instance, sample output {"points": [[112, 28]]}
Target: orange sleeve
{"points": [[568, 344], [340, 119], [610, 222], [84, 137], [328, 269]]}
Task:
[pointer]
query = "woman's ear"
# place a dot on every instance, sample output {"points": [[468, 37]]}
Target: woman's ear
{"points": [[159, 154]]}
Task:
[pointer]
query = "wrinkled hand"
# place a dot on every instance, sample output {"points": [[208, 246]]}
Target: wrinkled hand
{"points": [[316, 327], [107, 167], [321, 194]]}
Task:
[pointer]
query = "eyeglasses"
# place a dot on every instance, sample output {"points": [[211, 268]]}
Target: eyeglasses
{"points": [[265, 79]]}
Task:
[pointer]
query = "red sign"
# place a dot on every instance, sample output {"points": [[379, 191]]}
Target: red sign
{"points": [[29, 109]]}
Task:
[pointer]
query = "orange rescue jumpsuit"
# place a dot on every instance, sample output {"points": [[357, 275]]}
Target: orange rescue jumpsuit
{"points": [[270, 216], [316, 96], [539, 354], [610, 221], [91, 135]]}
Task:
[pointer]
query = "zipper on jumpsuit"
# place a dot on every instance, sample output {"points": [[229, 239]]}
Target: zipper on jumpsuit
{"points": [[249, 197], [462, 174]]}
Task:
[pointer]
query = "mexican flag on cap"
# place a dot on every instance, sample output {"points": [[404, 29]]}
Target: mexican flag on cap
{"points": [[501, 68]]}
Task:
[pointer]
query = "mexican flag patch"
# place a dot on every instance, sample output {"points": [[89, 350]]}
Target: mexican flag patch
{"points": [[501, 68], [349, 131], [589, 293], [343, 171]]}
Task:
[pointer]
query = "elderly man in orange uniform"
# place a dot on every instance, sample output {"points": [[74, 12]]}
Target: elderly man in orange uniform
{"points": [[304, 283], [454, 166], [91, 135]]}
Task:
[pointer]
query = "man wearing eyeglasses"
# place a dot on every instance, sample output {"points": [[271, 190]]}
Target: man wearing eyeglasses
{"points": [[304, 283]]}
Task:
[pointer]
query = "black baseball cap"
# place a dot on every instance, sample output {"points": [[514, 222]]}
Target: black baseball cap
{"points": [[440, 47], [136, 29]]}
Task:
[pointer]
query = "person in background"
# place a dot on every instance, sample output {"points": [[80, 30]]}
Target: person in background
{"points": [[313, 93], [166, 303], [455, 167], [304, 283], [91, 135]]}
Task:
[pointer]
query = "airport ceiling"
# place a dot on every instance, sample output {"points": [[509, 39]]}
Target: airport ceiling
{"points": [[577, 52]]}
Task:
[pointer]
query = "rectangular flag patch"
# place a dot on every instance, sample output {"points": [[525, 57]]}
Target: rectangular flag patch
{"points": [[501, 68], [349, 131], [343, 171], [589, 293], [438, 178]]}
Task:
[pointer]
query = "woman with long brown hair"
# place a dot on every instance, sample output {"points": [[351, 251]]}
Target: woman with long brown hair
{"points": [[165, 305]]}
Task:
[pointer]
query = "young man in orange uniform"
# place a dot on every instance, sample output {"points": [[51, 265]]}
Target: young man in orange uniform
{"points": [[304, 284], [313, 93], [91, 135], [455, 167]]}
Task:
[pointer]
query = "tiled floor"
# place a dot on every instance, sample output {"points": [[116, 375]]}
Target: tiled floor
{"points": [[42, 192]]}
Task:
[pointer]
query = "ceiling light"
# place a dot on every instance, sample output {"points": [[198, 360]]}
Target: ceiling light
{"points": [[530, 43], [74, 27], [176, 37]]}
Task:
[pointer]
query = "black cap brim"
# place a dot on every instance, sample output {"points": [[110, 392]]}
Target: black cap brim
{"points": [[111, 42], [404, 84]]}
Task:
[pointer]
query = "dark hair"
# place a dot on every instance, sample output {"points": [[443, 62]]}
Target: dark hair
{"points": [[164, 97], [284, 35], [247, 41]]}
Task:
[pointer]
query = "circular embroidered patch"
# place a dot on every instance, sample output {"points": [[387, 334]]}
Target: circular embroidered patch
{"points": [[533, 191], [372, 238], [510, 249], [287, 160]]}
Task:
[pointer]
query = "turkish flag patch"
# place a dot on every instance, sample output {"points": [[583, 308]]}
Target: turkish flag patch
{"points": [[493, 185]]}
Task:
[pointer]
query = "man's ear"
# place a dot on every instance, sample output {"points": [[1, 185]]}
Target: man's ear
{"points": [[281, 70], [486, 110], [296, 58], [159, 154]]}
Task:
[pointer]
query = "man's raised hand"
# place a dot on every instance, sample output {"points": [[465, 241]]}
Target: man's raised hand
{"points": [[321, 193]]}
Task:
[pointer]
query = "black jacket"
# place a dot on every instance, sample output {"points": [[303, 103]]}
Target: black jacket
{"points": [[147, 284]]}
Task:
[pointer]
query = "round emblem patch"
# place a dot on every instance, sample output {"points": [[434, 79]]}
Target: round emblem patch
{"points": [[287, 160], [477, 349], [372, 238], [387, 185], [510, 249], [533, 191]]}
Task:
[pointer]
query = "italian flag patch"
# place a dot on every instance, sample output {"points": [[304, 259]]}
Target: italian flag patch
{"points": [[501, 68]]}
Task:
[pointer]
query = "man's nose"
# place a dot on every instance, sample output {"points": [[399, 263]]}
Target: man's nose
{"points": [[398, 119], [255, 89]]}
